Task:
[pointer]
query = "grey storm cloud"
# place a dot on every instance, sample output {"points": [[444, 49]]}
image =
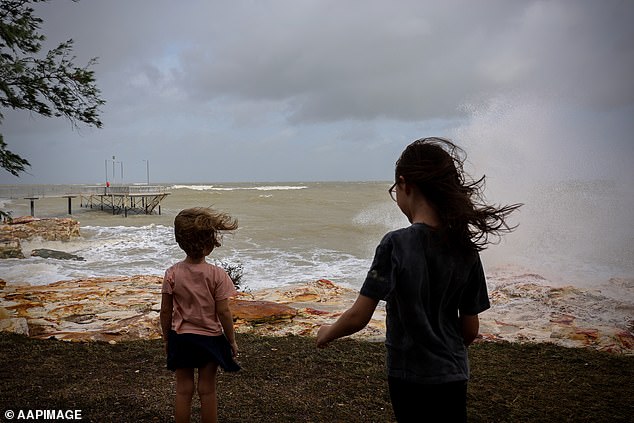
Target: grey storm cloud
{"points": [[411, 61], [329, 61], [246, 79]]}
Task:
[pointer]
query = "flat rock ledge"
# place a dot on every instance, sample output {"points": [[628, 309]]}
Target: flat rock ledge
{"points": [[127, 308], [49, 229], [118, 309]]}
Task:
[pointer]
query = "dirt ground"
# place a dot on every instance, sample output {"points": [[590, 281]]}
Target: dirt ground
{"points": [[288, 380]]}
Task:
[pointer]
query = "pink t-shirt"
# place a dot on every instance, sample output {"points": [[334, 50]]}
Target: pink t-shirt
{"points": [[195, 288]]}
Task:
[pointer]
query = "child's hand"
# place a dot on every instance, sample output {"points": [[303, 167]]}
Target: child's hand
{"points": [[322, 336], [234, 348]]}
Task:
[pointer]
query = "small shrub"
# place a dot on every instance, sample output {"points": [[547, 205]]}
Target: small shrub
{"points": [[234, 270], [5, 216]]}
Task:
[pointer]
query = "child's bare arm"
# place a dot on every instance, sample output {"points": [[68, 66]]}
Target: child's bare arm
{"points": [[226, 320], [166, 316], [470, 326], [351, 321]]}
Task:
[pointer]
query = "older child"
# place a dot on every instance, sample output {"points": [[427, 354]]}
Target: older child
{"points": [[195, 317], [431, 278]]}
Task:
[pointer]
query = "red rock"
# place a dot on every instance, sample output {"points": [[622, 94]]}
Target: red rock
{"points": [[22, 309], [67, 310], [315, 312], [585, 335], [505, 324], [23, 219], [325, 283], [256, 312], [626, 339], [490, 337], [305, 297], [120, 308], [564, 319]]}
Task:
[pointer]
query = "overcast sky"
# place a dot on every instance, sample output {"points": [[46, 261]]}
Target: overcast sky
{"points": [[212, 91]]}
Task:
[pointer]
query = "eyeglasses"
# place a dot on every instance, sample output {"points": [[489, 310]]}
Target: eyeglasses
{"points": [[392, 191]]}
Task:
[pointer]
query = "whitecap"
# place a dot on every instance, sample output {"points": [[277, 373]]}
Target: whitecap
{"points": [[278, 188], [193, 187], [240, 188], [276, 268]]}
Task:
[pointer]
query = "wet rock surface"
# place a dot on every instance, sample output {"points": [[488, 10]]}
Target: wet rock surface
{"points": [[23, 228], [10, 247], [126, 308], [524, 309], [527, 308], [49, 229], [55, 254]]}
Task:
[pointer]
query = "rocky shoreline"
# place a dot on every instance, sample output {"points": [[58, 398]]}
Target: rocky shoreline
{"points": [[28, 227], [127, 308], [525, 307]]}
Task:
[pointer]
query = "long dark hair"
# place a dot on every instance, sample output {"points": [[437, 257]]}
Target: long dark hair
{"points": [[435, 166]]}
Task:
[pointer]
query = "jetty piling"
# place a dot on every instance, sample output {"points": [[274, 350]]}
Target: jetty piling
{"points": [[70, 207], [32, 201]]}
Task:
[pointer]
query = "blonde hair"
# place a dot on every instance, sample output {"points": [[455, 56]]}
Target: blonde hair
{"points": [[199, 228]]}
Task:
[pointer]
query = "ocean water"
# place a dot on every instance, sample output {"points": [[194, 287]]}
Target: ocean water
{"points": [[571, 232], [288, 233]]}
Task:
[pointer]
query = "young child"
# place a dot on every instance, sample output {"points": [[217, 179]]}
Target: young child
{"points": [[431, 278], [195, 317]]}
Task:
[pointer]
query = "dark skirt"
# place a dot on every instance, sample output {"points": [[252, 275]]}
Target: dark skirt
{"points": [[190, 350]]}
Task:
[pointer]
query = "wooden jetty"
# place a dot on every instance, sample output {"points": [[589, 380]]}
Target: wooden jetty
{"points": [[124, 199], [119, 199]]}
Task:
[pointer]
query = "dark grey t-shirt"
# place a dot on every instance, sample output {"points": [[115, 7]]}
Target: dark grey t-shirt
{"points": [[426, 287]]}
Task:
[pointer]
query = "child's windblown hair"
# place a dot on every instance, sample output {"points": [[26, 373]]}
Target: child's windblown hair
{"points": [[199, 228], [434, 165]]}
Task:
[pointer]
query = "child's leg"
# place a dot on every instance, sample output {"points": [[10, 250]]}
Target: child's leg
{"points": [[207, 393], [184, 394]]}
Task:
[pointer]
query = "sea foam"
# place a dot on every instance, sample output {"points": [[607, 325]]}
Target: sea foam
{"points": [[238, 188]]}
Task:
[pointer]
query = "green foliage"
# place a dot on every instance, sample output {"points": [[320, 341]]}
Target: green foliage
{"points": [[234, 270], [13, 163], [5, 216], [51, 86]]}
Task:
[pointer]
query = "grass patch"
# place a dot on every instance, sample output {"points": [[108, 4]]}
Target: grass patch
{"points": [[289, 380]]}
